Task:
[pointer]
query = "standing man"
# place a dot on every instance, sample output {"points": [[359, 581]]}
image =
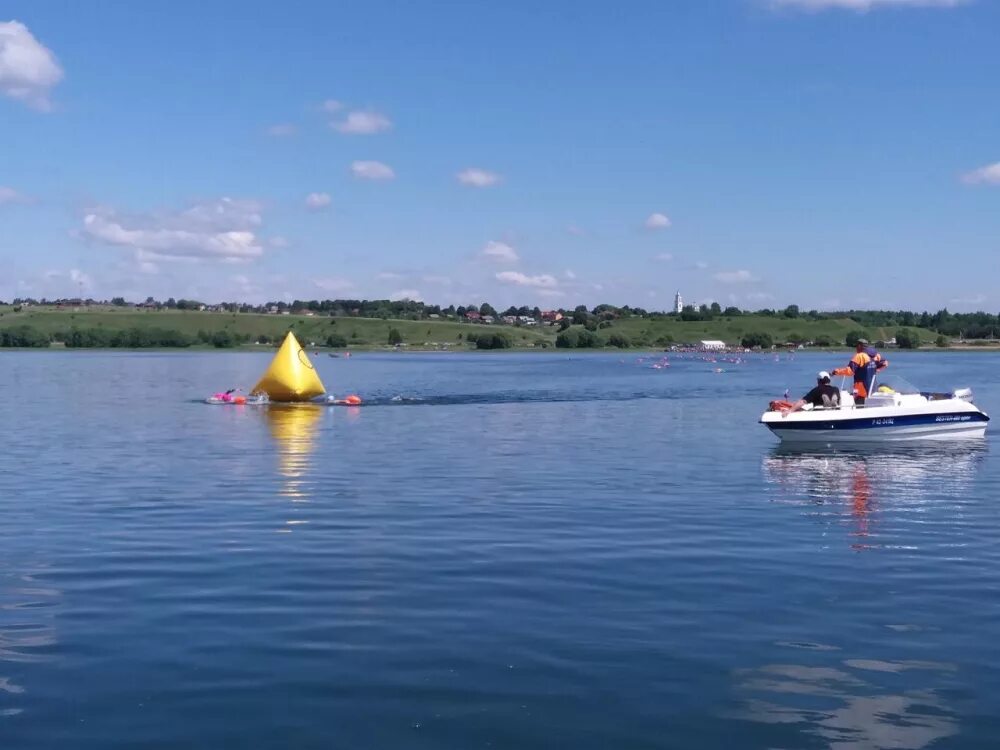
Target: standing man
{"points": [[871, 351], [863, 366]]}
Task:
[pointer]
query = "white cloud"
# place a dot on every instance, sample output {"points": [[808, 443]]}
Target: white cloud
{"points": [[759, 297], [500, 252], [701, 265], [479, 178], [277, 242], [331, 106], [333, 284], [569, 274], [988, 175], [224, 230], [551, 293], [664, 257], [406, 294], [244, 285], [223, 213], [865, 5], [28, 69], [10, 195], [317, 201], [71, 281], [389, 276], [435, 279], [657, 221], [362, 123], [282, 130], [976, 299], [735, 277], [543, 281], [372, 170]]}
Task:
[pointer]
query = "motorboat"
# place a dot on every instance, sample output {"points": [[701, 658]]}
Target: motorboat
{"points": [[896, 411]]}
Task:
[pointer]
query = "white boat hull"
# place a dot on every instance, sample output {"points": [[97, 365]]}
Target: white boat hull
{"points": [[912, 420]]}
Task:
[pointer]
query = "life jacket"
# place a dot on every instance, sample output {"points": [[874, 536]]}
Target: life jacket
{"points": [[864, 368]]}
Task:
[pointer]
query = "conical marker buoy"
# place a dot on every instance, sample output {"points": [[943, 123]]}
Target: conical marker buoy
{"points": [[290, 376]]}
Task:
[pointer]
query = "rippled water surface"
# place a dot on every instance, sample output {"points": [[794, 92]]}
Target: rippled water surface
{"points": [[497, 552]]}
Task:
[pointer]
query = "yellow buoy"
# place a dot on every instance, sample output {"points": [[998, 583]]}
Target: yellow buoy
{"points": [[290, 376]]}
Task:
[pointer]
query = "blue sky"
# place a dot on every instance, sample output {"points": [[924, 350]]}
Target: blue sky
{"points": [[829, 153]]}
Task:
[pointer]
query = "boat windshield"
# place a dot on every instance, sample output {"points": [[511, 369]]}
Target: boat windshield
{"points": [[894, 384]]}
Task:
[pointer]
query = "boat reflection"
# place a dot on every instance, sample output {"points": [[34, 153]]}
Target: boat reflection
{"points": [[850, 704], [864, 483], [293, 428]]}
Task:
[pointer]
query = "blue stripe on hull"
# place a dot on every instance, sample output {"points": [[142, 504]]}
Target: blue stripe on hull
{"points": [[870, 423]]}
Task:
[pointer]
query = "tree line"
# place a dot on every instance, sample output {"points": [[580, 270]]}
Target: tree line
{"points": [[130, 338], [977, 325], [905, 338]]}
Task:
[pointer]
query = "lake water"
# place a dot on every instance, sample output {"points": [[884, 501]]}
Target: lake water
{"points": [[499, 551]]}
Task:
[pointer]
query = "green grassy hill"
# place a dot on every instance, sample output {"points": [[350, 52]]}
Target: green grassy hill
{"points": [[368, 332], [732, 329], [309, 329]]}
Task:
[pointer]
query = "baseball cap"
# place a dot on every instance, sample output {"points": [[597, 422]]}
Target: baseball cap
{"points": [[862, 341], [823, 375]]}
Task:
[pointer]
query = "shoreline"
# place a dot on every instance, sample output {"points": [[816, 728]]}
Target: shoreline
{"points": [[320, 351], [40, 328]]}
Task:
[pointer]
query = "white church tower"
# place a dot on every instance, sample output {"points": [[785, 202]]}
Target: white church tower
{"points": [[678, 303]]}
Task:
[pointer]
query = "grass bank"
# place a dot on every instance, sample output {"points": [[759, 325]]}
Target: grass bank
{"points": [[199, 328]]}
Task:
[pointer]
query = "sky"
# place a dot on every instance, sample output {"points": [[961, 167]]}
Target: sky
{"points": [[828, 153]]}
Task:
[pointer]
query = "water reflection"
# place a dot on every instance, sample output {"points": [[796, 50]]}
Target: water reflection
{"points": [[857, 484], [27, 630], [845, 706], [293, 428]]}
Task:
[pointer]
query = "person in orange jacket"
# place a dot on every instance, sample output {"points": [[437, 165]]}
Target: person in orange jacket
{"points": [[863, 366]]}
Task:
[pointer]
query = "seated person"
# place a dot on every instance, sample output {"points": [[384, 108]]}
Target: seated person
{"points": [[823, 394]]}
